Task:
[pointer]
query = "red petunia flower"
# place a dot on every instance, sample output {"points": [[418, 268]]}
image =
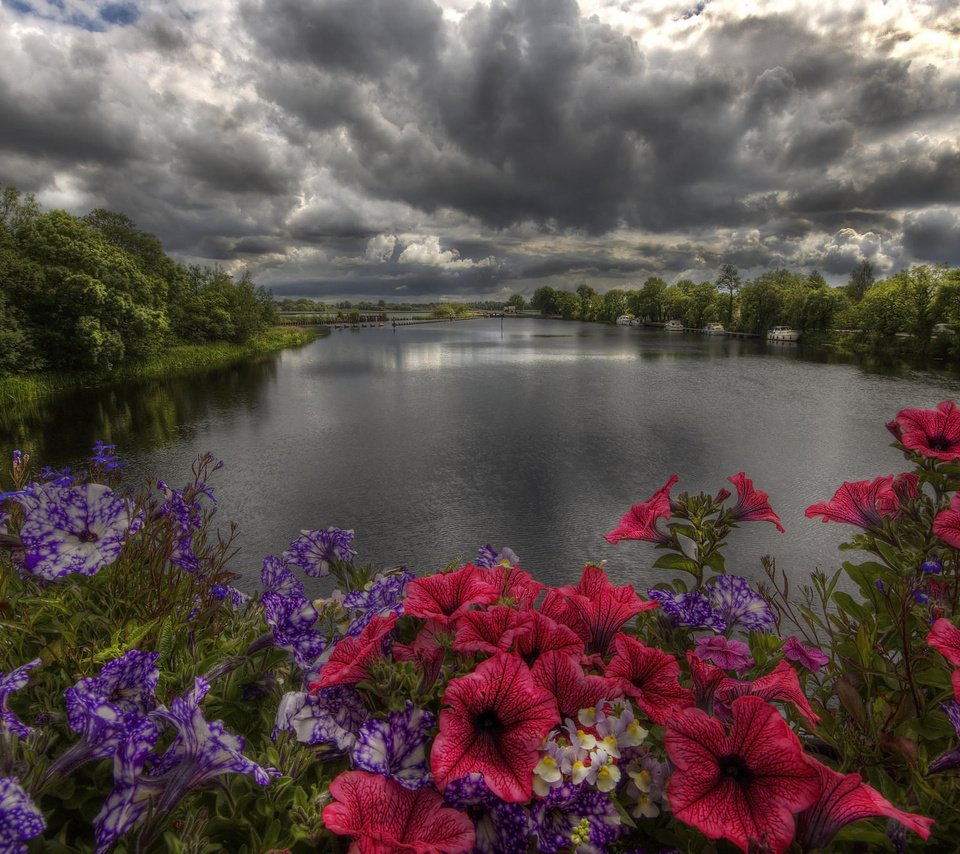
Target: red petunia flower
{"points": [[600, 608], [493, 630], [753, 505], [573, 689], [743, 786], [445, 596], [944, 637], [863, 503], [427, 650], [351, 658], [515, 583], [946, 524], [932, 432], [493, 722], [650, 676], [844, 799], [547, 635], [706, 679], [640, 521], [780, 684], [382, 816]]}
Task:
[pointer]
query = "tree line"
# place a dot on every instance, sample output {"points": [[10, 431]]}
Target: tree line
{"points": [[91, 293], [909, 303]]}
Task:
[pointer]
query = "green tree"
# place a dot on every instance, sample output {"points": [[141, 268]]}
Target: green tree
{"points": [[586, 295], [545, 300], [567, 305], [614, 304], [651, 300], [518, 302], [729, 280], [861, 280], [761, 305]]}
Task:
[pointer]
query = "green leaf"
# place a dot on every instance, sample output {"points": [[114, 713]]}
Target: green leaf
{"points": [[675, 561]]}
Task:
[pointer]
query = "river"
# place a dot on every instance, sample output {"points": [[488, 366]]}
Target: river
{"points": [[431, 440]]}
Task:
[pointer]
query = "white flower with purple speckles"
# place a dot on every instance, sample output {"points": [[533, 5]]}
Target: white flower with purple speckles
{"points": [[10, 682], [314, 551], [501, 828], [687, 610], [105, 709], [277, 577], [75, 529], [331, 716], [133, 791], [736, 604], [20, 819], [292, 619], [380, 598], [396, 747], [201, 750]]}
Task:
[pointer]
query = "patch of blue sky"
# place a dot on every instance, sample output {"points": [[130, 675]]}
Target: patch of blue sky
{"points": [[94, 17]]}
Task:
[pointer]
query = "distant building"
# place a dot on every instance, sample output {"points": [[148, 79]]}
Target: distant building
{"points": [[509, 309]]}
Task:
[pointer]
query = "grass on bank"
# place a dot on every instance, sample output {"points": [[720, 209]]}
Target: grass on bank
{"points": [[175, 360]]}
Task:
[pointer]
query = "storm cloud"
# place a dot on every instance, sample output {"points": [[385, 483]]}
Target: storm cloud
{"points": [[417, 149]]}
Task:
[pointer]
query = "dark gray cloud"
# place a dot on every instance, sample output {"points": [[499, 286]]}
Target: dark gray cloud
{"points": [[500, 144]]}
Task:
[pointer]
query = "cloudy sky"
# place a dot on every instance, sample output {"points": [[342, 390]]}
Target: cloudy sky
{"points": [[423, 149]]}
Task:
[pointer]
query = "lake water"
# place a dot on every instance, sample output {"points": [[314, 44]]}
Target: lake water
{"points": [[432, 440]]}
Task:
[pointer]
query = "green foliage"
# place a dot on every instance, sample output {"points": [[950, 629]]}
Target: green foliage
{"points": [[93, 294]]}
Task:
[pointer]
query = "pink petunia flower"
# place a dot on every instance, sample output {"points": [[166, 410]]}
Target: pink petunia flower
{"points": [[351, 658], [427, 650], [639, 522], [382, 816], [493, 630], [446, 595], [596, 608], [946, 524], [745, 785], [753, 505], [781, 684], [514, 583], [547, 635], [492, 723], [808, 656], [650, 677], [944, 637], [728, 654], [932, 432], [706, 679], [844, 799], [863, 503], [573, 689]]}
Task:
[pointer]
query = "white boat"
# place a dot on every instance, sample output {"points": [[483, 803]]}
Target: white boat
{"points": [[783, 333], [674, 326], [624, 320], [714, 329]]}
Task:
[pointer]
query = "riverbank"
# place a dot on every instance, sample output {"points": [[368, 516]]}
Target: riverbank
{"points": [[177, 360]]}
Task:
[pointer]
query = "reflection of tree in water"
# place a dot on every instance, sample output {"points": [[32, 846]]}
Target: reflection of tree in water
{"points": [[136, 415]]}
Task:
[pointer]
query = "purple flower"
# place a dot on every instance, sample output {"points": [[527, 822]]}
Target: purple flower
{"points": [[950, 759], [735, 604], [10, 682], [132, 792], [502, 828], [104, 457], [808, 656], [687, 610], [932, 565], [201, 749], [488, 557], [396, 747], [64, 477], [726, 654], [75, 529], [185, 518], [556, 816], [383, 596], [20, 820], [331, 716], [105, 709], [292, 619], [277, 577], [238, 599], [314, 551]]}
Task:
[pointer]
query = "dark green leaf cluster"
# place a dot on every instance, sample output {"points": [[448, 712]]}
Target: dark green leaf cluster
{"points": [[90, 294]]}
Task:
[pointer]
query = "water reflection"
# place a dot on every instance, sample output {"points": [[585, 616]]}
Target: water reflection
{"points": [[432, 440]]}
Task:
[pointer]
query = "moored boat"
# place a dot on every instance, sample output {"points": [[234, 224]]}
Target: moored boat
{"points": [[714, 329], [783, 333], [674, 326]]}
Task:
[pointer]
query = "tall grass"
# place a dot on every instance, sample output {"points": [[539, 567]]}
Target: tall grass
{"points": [[178, 359]]}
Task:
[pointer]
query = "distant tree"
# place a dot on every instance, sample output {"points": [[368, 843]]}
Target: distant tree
{"points": [[650, 302], [567, 305], [729, 280], [761, 304], [518, 302], [545, 300], [614, 304], [586, 295], [861, 280]]}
